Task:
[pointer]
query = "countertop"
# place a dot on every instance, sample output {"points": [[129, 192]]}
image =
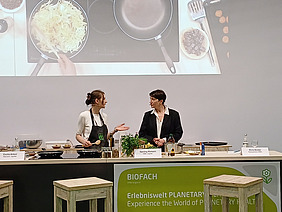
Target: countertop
{"points": [[210, 156]]}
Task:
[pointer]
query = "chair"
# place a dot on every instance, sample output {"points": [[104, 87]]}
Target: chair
{"points": [[91, 188], [6, 193], [240, 187]]}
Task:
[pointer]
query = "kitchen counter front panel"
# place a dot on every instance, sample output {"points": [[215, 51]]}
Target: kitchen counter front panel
{"points": [[33, 179]]}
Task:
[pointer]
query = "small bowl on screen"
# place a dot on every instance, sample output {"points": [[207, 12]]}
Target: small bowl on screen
{"points": [[194, 43], [11, 6]]}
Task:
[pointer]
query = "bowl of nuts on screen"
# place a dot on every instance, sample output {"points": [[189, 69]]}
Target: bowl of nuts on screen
{"points": [[194, 43]]}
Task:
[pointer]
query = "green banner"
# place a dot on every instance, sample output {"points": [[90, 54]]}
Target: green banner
{"points": [[173, 189]]}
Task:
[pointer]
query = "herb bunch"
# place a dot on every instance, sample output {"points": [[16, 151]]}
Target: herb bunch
{"points": [[130, 142]]}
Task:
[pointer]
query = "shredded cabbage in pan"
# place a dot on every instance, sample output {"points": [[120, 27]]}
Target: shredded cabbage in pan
{"points": [[62, 25]]}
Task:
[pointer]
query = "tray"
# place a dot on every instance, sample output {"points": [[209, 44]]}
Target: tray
{"points": [[212, 143]]}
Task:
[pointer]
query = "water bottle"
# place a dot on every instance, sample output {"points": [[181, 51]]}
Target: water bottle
{"points": [[245, 142], [202, 148]]}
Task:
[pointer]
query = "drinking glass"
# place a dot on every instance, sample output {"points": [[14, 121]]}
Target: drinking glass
{"points": [[254, 143]]}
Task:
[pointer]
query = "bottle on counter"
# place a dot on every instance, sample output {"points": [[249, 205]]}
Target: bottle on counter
{"points": [[111, 140], [202, 148], [136, 135], [172, 152], [171, 138], [5, 24], [170, 144], [245, 142]]}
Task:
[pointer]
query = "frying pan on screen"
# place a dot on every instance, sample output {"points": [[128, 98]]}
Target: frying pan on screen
{"points": [[40, 34], [145, 20]]}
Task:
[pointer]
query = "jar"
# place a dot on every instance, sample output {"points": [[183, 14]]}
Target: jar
{"points": [[115, 153], [106, 152]]}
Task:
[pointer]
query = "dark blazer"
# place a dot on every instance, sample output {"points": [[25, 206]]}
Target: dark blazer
{"points": [[171, 124]]}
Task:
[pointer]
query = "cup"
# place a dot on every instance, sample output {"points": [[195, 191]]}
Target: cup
{"points": [[254, 143]]}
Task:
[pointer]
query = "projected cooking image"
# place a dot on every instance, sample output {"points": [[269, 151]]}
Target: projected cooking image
{"points": [[57, 28], [109, 37]]}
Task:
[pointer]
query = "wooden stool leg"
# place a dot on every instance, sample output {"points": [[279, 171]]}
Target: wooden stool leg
{"points": [[108, 201], [6, 204], [207, 199], [225, 204], [259, 200], [93, 205], [243, 200], [11, 198], [8, 201], [57, 202], [71, 203]]}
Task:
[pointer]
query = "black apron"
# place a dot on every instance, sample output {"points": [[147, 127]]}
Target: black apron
{"points": [[98, 133]]}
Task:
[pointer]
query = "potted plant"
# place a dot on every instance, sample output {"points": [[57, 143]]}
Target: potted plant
{"points": [[130, 142]]}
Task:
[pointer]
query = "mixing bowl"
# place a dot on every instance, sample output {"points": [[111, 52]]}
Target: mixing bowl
{"points": [[33, 144]]}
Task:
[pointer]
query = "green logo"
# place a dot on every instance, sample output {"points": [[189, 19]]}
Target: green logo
{"points": [[265, 175], [101, 136]]}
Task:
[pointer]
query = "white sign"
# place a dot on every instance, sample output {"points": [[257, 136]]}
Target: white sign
{"points": [[12, 156], [147, 153], [255, 151]]}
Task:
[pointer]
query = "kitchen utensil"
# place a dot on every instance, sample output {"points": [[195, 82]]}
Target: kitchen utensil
{"points": [[56, 146], [42, 37], [181, 147], [145, 20], [190, 152], [198, 14], [89, 153], [67, 146], [50, 154], [212, 143], [33, 144], [30, 141], [70, 142], [46, 55], [3, 147]]}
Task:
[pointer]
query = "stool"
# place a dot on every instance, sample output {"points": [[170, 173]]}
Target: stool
{"points": [[90, 188], [6, 193], [240, 187]]}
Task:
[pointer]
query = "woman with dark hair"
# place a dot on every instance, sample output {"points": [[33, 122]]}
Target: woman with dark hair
{"points": [[160, 122], [92, 124]]}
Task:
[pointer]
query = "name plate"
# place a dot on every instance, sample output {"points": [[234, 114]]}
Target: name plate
{"points": [[147, 153], [255, 151], [12, 156]]}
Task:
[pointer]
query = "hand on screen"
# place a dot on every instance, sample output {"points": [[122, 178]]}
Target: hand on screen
{"points": [[67, 67]]}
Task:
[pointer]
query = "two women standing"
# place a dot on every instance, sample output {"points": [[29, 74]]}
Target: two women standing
{"points": [[156, 126]]}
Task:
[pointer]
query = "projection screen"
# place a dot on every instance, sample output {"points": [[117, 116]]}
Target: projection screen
{"points": [[132, 37]]}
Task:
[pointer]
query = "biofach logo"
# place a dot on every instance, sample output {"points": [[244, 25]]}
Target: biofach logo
{"points": [[140, 176], [266, 176]]}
